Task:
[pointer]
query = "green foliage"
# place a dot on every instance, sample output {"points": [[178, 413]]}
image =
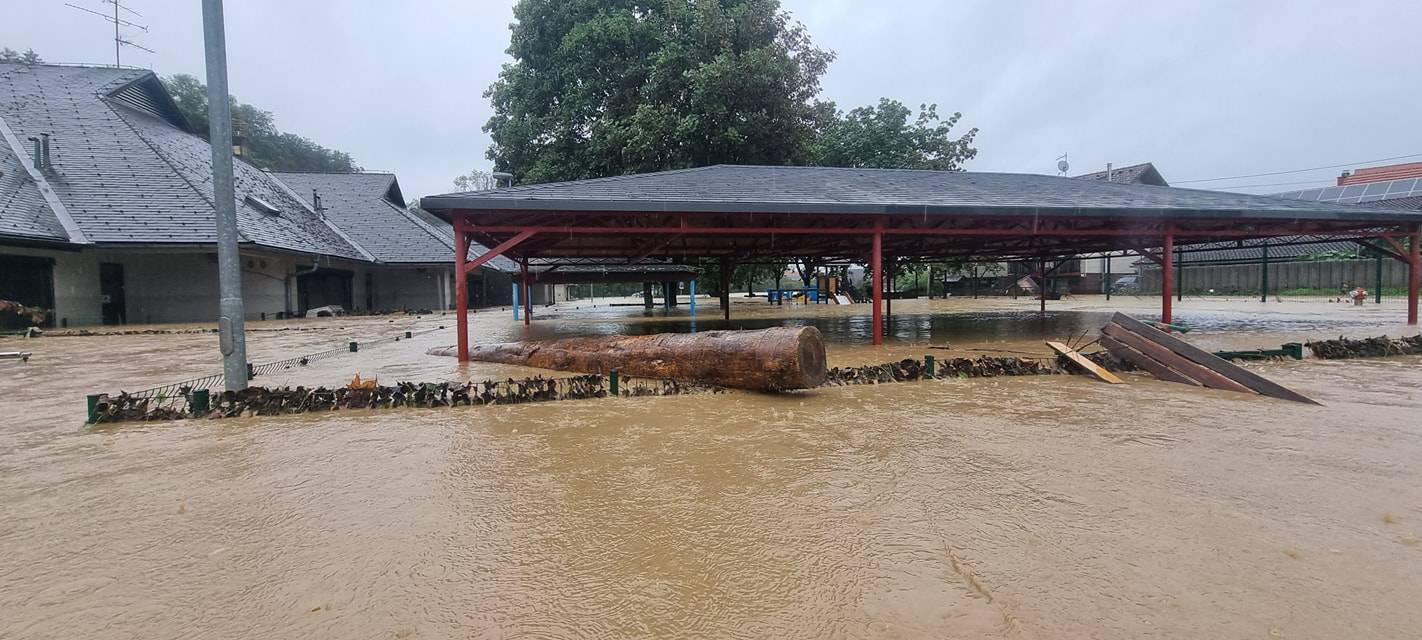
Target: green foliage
{"points": [[475, 180], [264, 145], [28, 57], [883, 137], [608, 87]]}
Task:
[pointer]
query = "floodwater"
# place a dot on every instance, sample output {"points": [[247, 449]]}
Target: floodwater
{"points": [[1050, 507]]}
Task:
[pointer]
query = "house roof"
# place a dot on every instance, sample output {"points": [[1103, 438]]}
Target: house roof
{"points": [[1144, 173], [1280, 250], [1370, 175], [126, 171], [368, 208], [827, 190]]}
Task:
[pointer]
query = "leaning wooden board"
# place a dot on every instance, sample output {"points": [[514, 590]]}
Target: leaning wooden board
{"points": [[1176, 362], [1091, 367], [1209, 360], [1144, 362]]}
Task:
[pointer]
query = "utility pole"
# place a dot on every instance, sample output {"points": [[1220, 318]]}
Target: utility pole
{"points": [[231, 323]]}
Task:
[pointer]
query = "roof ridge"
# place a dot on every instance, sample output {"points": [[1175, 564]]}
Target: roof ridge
{"points": [[625, 176], [310, 208], [72, 231]]}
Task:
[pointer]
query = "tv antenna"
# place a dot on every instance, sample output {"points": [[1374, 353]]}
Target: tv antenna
{"points": [[117, 21], [1062, 164]]}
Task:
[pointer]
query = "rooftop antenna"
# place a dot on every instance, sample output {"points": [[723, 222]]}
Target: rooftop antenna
{"points": [[1062, 164], [119, 41]]}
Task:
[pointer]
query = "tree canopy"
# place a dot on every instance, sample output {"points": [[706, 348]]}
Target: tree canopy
{"points": [[263, 145], [28, 57], [610, 87], [882, 137]]}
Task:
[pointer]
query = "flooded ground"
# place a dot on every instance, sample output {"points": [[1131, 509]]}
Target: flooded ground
{"points": [[1048, 507]]}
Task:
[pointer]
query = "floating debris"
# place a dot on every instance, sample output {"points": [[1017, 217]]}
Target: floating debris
{"points": [[1379, 347], [910, 369], [366, 394]]}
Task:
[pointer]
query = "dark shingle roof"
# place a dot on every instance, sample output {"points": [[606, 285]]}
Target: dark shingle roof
{"points": [[1280, 250], [127, 172], [361, 205], [1144, 173], [825, 190]]}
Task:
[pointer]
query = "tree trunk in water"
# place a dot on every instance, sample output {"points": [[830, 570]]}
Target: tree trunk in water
{"points": [[776, 359]]}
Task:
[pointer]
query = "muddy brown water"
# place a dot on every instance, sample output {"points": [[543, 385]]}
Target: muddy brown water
{"points": [[1048, 507]]}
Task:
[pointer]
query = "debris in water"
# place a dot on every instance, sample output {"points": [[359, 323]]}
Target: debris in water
{"points": [[1378, 347]]}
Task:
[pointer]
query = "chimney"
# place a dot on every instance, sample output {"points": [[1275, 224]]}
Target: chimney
{"points": [[35, 158], [1108, 172], [44, 151], [1343, 178]]}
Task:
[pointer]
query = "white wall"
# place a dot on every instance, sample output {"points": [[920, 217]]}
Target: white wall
{"points": [[76, 284]]}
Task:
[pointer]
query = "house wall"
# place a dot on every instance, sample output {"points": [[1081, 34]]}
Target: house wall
{"points": [[76, 284], [413, 288]]}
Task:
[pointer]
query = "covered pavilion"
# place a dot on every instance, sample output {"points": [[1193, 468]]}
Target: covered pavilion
{"points": [[752, 213]]}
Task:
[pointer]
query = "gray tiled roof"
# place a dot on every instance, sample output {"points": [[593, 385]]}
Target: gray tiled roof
{"points": [[825, 190], [1144, 173], [127, 173], [1280, 250], [360, 204]]}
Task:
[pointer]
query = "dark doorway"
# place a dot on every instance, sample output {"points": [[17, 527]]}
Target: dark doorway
{"points": [[30, 282], [327, 286], [111, 293]]}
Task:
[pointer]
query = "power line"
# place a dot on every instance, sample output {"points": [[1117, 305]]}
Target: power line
{"points": [[1280, 173], [1274, 184], [119, 40]]}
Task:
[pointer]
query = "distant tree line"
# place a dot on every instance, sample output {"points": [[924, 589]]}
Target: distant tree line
{"points": [[28, 57], [263, 144]]}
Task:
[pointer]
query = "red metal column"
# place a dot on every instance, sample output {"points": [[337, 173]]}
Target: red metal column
{"points": [[1042, 287], [876, 261], [526, 291], [1167, 277], [1414, 274], [461, 288]]}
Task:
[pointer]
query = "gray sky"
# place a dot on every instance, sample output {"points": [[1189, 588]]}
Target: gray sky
{"points": [[1203, 89]]}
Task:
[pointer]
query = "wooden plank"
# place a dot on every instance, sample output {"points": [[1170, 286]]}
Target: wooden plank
{"points": [[1199, 373], [1145, 362], [1206, 359], [1091, 367]]}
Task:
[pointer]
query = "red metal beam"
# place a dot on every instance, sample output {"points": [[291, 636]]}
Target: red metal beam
{"points": [[876, 259], [1167, 277], [1414, 274], [496, 251], [527, 292], [1200, 234], [461, 291]]}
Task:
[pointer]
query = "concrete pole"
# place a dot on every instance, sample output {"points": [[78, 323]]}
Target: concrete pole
{"points": [[1378, 278], [231, 324]]}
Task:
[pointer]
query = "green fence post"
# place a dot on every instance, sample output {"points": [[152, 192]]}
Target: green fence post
{"points": [[1294, 350], [612, 381], [93, 400], [407, 335], [928, 364], [251, 372], [201, 402]]}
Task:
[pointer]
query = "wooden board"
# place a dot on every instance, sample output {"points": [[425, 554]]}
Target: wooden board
{"points": [[1208, 360], [1091, 367], [1144, 362], [1198, 373]]}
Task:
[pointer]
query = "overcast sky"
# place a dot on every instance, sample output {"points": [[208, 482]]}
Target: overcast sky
{"points": [[1201, 89]]}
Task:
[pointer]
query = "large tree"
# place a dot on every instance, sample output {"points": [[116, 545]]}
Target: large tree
{"points": [[264, 145], [607, 87], [882, 137], [28, 57]]}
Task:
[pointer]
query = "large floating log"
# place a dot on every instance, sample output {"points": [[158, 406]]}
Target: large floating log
{"points": [[775, 359]]}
